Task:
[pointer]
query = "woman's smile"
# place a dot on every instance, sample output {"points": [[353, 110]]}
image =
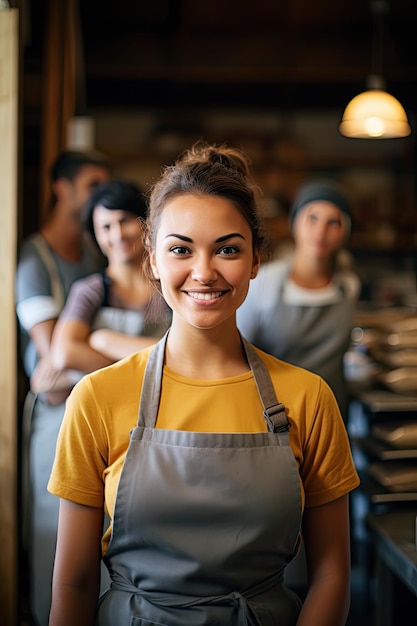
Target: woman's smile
{"points": [[205, 296]]}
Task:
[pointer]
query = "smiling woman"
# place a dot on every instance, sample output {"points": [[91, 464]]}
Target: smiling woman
{"points": [[188, 448], [204, 270]]}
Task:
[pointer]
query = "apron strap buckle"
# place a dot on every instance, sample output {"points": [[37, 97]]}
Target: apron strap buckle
{"points": [[276, 418]]}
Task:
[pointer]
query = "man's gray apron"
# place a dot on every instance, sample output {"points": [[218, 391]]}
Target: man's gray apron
{"points": [[204, 523]]}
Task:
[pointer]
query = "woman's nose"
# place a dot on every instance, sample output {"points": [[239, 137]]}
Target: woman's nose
{"points": [[321, 228], [203, 271], [117, 231]]}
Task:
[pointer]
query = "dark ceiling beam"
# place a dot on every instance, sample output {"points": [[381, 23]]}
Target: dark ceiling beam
{"points": [[244, 74]]}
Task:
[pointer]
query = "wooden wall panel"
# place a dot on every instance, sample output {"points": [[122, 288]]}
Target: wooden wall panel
{"points": [[59, 86], [8, 217]]}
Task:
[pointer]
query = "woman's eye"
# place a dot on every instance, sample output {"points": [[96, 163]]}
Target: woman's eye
{"points": [[179, 250], [228, 250]]}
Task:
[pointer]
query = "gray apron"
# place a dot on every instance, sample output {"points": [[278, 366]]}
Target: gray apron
{"points": [[204, 523], [312, 337]]}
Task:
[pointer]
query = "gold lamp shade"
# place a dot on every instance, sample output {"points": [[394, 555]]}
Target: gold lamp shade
{"points": [[374, 114]]}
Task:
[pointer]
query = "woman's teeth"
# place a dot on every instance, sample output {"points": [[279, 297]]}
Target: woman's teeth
{"points": [[198, 295]]}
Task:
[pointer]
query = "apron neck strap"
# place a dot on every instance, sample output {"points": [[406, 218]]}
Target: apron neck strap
{"points": [[274, 411], [151, 385]]}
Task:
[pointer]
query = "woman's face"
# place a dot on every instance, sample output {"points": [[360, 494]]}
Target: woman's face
{"points": [[204, 259], [118, 234], [320, 229]]}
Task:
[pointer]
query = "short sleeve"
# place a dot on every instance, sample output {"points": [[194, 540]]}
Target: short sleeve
{"points": [[81, 451], [84, 299], [33, 294], [327, 469]]}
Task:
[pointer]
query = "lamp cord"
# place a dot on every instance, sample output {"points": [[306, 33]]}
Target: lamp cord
{"points": [[378, 8]]}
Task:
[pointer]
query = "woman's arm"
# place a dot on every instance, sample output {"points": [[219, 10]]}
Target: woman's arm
{"points": [[76, 577], [115, 345], [45, 375], [327, 542], [41, 335], [71, 349]]}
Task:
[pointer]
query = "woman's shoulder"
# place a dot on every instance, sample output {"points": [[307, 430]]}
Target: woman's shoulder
{"points": [[306, 396], [275, 269], [114, 385], [91, 281], [287, 371], [84, 299], [264, 288], [350, 283]]}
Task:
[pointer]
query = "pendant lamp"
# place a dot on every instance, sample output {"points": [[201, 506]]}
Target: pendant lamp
{"points": [[375, 114]]}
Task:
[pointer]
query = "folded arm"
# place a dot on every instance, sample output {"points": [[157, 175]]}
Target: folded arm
{"points": [[115, 345], [71, 348]]}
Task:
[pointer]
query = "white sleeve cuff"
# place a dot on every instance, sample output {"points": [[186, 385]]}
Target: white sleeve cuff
{"points": [[35, 310]]}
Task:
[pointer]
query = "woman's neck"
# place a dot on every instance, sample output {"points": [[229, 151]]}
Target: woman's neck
{"points": [[129, 283], [209, 354], [311, 273]]}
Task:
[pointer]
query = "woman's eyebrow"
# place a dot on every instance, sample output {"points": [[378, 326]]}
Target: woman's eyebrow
{"points": [[182, 237], [219, 240], [226, 237]]}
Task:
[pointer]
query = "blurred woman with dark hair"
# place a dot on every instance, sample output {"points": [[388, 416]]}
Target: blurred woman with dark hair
{"points": [[104, 311]]}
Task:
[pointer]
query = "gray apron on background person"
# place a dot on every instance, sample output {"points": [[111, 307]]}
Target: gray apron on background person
{"points": [[314, 337], [43, 508], [204, 523]]}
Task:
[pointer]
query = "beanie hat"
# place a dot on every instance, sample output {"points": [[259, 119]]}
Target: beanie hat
{"points": [[320, 190]]}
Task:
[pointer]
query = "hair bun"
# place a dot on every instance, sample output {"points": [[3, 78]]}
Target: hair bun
{"points": [[229, 158]]}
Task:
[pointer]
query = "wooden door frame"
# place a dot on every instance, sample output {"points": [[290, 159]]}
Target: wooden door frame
{"points": [[9, 159]]}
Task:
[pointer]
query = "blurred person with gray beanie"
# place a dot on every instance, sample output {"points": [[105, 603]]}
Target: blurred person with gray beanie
{"points": [[301, 308]]}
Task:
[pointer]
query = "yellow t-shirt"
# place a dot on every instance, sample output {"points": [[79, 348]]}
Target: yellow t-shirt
{"points": [[103, 408]]}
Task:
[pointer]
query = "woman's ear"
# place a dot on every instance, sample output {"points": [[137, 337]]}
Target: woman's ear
{"points": [[153, 265], [255, 265]]}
